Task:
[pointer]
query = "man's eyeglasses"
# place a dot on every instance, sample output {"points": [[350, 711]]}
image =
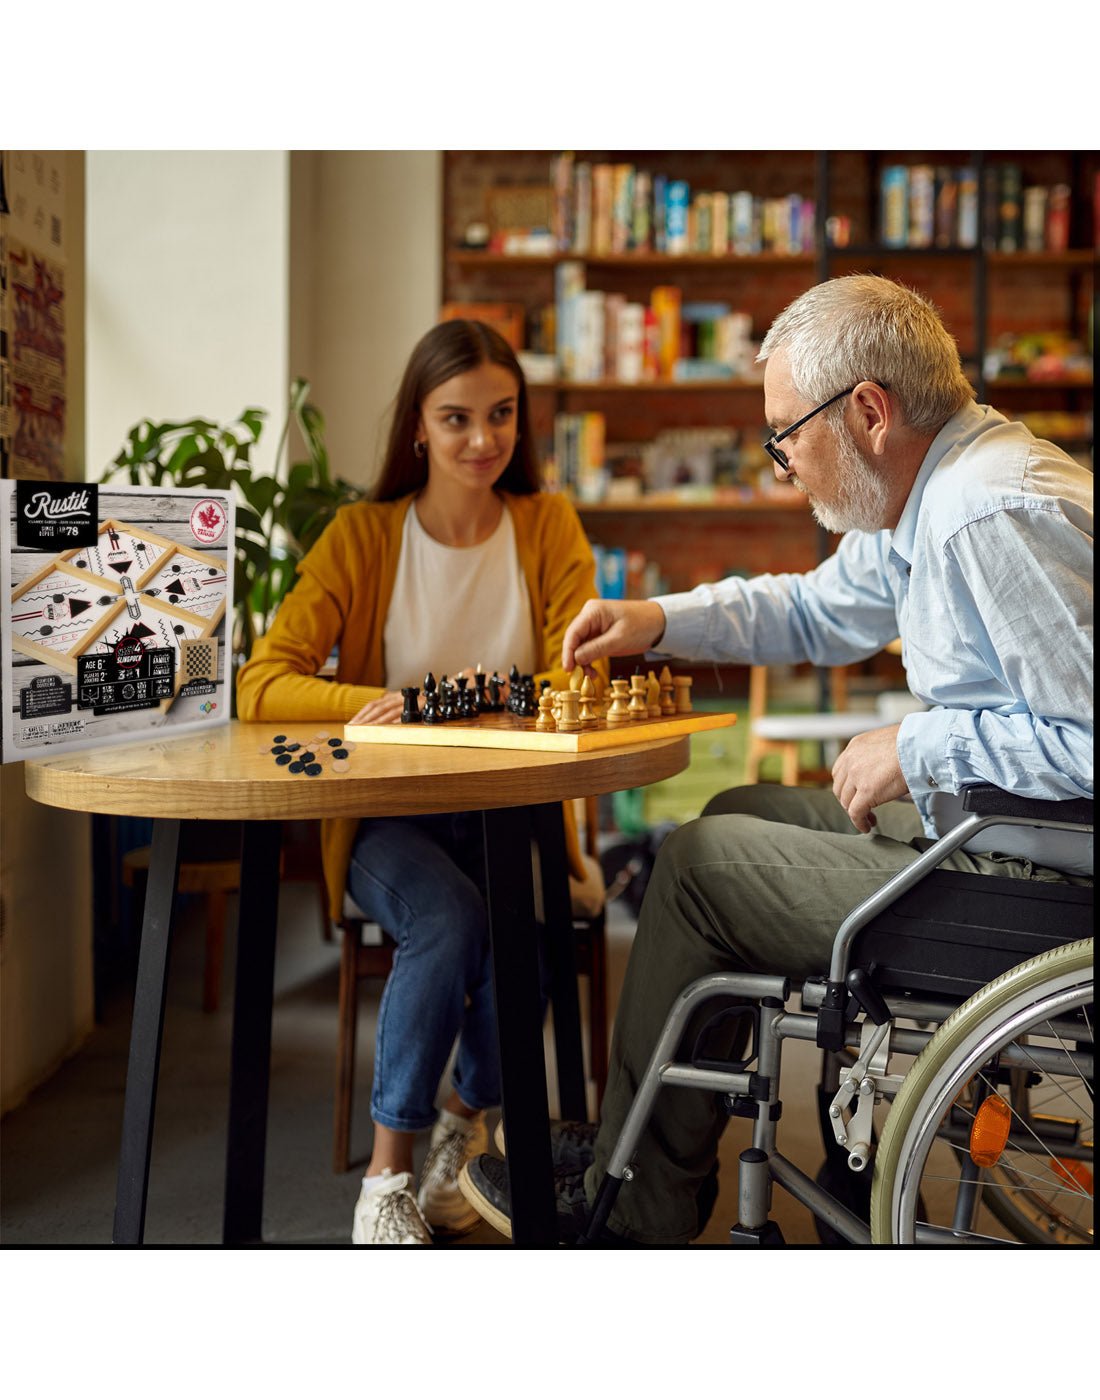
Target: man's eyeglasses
{"points": [[771, 444]]}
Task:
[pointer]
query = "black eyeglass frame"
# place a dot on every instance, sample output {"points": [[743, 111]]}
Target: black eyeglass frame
{"points": [[771, 444]]}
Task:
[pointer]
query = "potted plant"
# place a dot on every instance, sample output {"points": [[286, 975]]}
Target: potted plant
{"points": [[278, 519]]}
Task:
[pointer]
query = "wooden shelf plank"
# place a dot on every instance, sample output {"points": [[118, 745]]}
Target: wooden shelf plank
{"points": [[665, 502], [1064, 381], [660, 386], [462, 257]]}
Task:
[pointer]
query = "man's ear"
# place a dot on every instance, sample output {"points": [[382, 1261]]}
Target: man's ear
{"points": [[874, 414]]}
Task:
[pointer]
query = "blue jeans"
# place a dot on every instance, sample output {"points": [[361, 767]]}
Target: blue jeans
{"points": [[423, 880]]}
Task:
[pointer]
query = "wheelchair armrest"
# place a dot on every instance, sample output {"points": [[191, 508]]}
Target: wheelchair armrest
{"points": [[989, 801]]}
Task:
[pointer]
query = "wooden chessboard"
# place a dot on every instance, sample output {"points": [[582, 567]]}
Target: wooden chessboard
{"points": [[508, 731]]}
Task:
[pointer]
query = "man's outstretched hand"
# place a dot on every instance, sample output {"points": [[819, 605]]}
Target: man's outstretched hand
{"points": [[607, 627]]}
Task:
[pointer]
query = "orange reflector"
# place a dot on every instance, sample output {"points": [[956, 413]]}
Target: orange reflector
{"points": [[989, 1132], [1072, 1172]]}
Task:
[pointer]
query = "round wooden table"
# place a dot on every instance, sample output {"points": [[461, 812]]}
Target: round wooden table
{"points": [[225, 774], [231, 774]]}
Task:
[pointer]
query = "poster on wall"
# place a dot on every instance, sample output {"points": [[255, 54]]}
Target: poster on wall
{"points": [[32, 314]]}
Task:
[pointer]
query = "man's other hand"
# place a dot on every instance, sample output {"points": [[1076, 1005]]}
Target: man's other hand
{"points": [[867, 774]]}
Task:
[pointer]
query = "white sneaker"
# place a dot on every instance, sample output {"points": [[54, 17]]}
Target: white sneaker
{"points": [[454, 1141], [388, 1213]]}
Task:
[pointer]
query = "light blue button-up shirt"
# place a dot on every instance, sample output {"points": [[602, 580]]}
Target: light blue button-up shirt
{"points": [[987, 580]]}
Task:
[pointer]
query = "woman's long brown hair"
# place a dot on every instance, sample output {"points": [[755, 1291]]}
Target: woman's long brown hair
{"points": [[451, 348]]}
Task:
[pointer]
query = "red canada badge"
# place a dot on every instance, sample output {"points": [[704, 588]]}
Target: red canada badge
{"points": [[208, 521]]}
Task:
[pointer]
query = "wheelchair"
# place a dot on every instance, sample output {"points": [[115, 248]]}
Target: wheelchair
{"points": [[957, 1036]]}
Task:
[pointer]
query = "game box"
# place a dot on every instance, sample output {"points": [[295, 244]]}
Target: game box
{"points": [[114, 609]]}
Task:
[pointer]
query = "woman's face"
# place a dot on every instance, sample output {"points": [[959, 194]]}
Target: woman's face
{"points": [[468, 424]]}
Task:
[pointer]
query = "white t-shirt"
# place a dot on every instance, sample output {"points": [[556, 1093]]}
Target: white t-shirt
{"points": [[454, 608]]}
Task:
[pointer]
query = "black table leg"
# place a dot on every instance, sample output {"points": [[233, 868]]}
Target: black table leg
{"points": [[519, 1023], [146, 1031], [561, 947], [250, 1067]]}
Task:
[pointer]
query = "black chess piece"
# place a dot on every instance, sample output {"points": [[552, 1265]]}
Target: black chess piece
{"points": [[496, 705], [522, 696], [410, 713], [432, 713], [480, 697], [467, 700], [447, 694]]}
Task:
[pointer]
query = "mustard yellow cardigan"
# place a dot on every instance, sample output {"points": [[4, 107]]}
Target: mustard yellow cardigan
{"points": [[341, 598]]}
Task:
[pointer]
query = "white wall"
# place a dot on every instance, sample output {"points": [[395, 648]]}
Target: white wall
{"points": [[366, 277], [187, 290]]}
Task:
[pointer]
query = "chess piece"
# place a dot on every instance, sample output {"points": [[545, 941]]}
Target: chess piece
{"points": [[576, 680], [653, 696], [619, 711], [463, 699], [637, 707], [496, 704], [590, 716], [668, 704], [447, 694], [682, 685], [432, 713], [482, 699], [410, 714], [546, 722], [522, 698], [570, 720], [555, 704], [603, 699]]}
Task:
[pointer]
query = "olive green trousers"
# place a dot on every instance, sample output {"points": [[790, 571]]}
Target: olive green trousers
{"points": [[760, 882]]}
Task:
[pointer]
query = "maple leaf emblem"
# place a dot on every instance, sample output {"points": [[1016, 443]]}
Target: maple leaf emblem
{"points": [[209, 516]]}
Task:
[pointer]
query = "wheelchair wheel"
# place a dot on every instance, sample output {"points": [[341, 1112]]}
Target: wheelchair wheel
{"points": [[1027, 1040]]}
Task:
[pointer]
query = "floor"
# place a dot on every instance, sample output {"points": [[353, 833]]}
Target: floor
{"points": [[58, 1151]]}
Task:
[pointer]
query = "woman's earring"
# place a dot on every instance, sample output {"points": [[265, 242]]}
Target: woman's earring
{"points": [[419, 449]]}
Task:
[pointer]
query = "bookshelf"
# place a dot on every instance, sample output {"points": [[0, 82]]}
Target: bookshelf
{"points": [[1002, 306]]}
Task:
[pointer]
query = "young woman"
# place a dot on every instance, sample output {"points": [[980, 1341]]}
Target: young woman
{"points": [[459, 560]]}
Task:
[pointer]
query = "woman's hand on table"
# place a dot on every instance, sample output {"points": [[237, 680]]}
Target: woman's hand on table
{"points": [[382, 710]]}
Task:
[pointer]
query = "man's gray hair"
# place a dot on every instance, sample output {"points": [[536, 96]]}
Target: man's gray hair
{"points": [[865, 327]]}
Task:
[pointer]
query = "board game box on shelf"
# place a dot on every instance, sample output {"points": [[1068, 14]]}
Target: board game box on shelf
{"points": [[115, 605]]}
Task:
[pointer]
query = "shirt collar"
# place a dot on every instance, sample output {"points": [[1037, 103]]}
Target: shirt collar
{"points": [[959, 426]]}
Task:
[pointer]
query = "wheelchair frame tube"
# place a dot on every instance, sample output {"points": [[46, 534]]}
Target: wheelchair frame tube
{"points": [[797, 1184], [662, 1068]]}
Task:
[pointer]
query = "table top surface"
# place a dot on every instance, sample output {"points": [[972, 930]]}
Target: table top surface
{"points": [[231, 774]]}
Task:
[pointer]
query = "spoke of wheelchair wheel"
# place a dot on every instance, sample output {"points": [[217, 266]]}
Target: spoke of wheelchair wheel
{"points": [[1045, 1178], [1063, 1081], [1048, 1188]]}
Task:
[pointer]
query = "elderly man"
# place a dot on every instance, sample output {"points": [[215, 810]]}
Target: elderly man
{"points": [[965, 536]]}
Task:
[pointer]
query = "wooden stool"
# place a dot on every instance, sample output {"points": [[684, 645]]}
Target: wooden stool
{"points": [[213, 879], [785, 734]]}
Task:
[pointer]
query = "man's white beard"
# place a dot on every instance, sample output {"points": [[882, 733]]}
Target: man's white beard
{"points": [[861, 497]]}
